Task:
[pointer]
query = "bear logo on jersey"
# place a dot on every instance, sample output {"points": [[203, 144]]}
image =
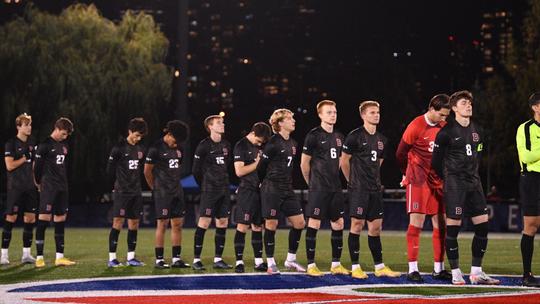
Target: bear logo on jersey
{"points": [[225, 151], [293, 150], [380, 145], [178, 153], [338, 142], [139, 155], [64, 149], [475, 137]]}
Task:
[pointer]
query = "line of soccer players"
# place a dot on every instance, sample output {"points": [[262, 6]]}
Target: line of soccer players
{"points": [[438, 159]]}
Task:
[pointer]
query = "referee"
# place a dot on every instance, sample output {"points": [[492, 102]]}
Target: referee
{"points": [[528, 146]]}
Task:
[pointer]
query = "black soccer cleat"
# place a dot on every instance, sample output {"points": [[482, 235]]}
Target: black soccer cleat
{"points": [[239, 268], [530, 281], [222, 265], [415, 277], [180, 264], [443, 275], [198, 266], [261, 267], [161, 265]]}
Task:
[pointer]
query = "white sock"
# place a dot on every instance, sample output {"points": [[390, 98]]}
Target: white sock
{"points": [[59, 255], [239, 262], [379, 266], [271, 261], [4, 252], [39, 257], [26, 251], [335, 264], [291, 257], [311, 265], [112, 256], [456, 272], [130, 255], [258, 261], [438, 266], [355, 266], [159, 260], [195, 260], [476, 270], [413, 266], [216, 259], [175, 259]]}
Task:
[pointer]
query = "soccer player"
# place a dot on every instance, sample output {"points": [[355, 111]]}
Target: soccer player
{"points": [[124, 165], [248, 208], [456, 157], [424, 188], [528, 146], [210, 169], [320, 168], [21, 190], [275, 172], [51, 179], [163, 173], [363, 153]]}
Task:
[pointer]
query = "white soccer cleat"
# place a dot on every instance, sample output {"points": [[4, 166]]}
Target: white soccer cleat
{"points": [[457, 279], [483, 279], [294, 265], [4, 260], [28, 259]]}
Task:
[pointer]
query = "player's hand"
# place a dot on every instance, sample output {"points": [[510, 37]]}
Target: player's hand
{"points": [[258, 158], [38, 186], [27, 155], [402, 183]]}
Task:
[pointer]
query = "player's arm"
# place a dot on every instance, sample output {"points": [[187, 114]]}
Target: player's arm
{"points": [[11, 163], [344, 163], [198, 159], [526, 156], [151, 158], [267, 155], [41, 152], [240, 167], [305, 160], [112, 163], [439, 151], [405, 144]]}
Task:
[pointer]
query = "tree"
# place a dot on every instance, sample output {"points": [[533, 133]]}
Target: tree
{"points": [[506, 97], [83, 66]]}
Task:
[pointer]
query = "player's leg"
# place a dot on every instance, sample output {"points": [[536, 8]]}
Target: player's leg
{"points": [[12, 210], [529, 187], [335, 212], [29, 220], [256, 233], [161, 227], [315, 212], [176, 241], [44, 218], [357, 211], [206, 211], [134, 212], [242, 217], [416, 198], [118, 213], [293, 211], [270, 203], [438, 222], [60, 216], [223, 211]]}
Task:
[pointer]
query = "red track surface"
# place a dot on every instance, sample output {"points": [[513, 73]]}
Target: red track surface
{"points": [[274, 298]]}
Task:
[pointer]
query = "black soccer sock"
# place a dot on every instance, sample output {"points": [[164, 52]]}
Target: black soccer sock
{"points": [[294, 239], [527, 249], [269, 242], [176, 251], [311, 244], [6, 234], [239, 244], [336, 241], [113, 239], [198, 242], [40, 236], [131, 240], [256, 243], [219, 241], [354, 247], [27, 234], [375, 247], [452, 248], [479, 243], [159, 253], [59, 228]]}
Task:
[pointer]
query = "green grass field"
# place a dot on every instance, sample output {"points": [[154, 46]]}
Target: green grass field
{"points": [[89, 248]]}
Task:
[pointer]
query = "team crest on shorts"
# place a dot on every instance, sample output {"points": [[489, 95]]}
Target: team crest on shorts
{"points": [[164, 212], [48, 207], [273, 212], [475, 137], [246, 217], [122, 212], [380, 145], [208, 211], [459, 211], [316, 211], [415, 205], [15, 209], [359, 210]]}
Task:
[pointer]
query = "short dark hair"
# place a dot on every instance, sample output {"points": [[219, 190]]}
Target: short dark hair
{"points": [[65, 124], [534, 99], [178, 129], [261, 129], [454, 98], [138, 124], [439, 101], [210, 120]]}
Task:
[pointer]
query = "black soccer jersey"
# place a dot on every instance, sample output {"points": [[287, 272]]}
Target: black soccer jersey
{"points": [[22, 177], [167, 168], [125, 163], [325, 150], [366, 151], [211, 165], [276, 165], [246, 152], [50, 164], [456, 155]]}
